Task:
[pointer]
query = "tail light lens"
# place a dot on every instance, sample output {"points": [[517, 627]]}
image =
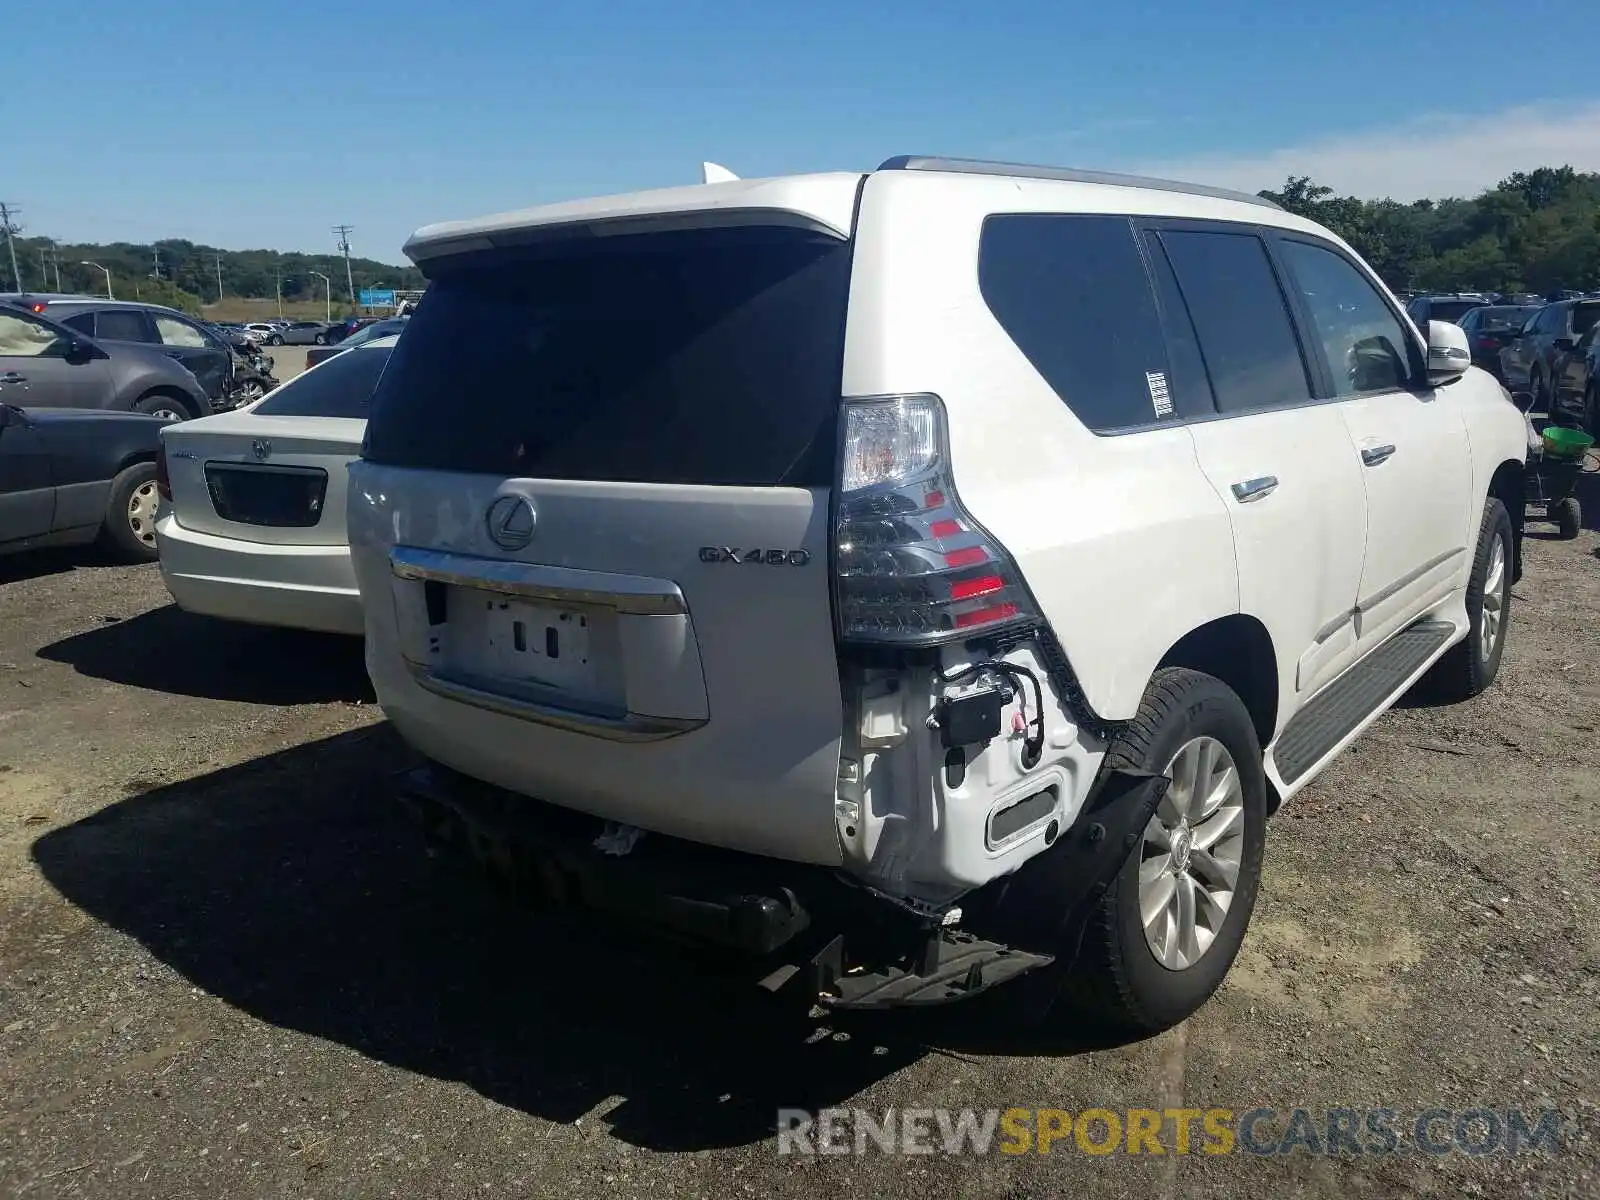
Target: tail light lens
{"points": [[163, 480], [913, 567]]}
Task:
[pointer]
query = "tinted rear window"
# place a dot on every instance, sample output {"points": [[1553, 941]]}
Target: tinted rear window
{"points": [[1252, 355], [1451, 310], [699, 357], [122, 325], [340, 387], [1584, 317], [1072, 293], [1492, 319]]}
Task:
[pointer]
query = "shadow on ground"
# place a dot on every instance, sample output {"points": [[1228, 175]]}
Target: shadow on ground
{"points": [[292, 888], [34, 564], [169, 650]]}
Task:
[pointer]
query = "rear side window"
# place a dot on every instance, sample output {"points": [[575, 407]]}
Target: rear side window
{"points": [[1072, 293], [1584, 318], [340, 387], [122, 325], [711, 357], [1249, 345], [179, 333], [83, 323]]}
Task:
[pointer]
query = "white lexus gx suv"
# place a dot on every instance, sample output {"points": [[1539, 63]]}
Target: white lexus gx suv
{"points": [[920, 578]]}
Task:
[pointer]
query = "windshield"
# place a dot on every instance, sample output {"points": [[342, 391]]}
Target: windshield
{"points": [[382, 329]]}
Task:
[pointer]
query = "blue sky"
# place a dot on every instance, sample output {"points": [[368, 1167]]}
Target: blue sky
{"points": [[264, 124]]}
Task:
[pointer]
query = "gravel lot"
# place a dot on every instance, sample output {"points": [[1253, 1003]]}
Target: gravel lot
{"points": [[226, 968]]}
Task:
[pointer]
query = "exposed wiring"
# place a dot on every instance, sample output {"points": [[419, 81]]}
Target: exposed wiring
{"points": [[1033, 744]]}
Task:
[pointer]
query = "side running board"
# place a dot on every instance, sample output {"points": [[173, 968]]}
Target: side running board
{"points": [[1354, 696]]}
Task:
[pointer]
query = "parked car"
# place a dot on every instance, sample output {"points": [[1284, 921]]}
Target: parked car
{"points": [[260, 331], [1490, 329], [253, 528], [1452, 307], [72, 476], [301, 333], [44, 363], [367, 333], [1528, 361], [829, 527], [204, 352], [1577, 376]]}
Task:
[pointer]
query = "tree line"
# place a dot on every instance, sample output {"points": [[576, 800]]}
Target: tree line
{"points": [[1537, 231], [184, 275]]}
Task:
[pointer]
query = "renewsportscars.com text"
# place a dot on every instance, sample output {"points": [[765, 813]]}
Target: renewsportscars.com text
{"points": [[1208, 1131]]}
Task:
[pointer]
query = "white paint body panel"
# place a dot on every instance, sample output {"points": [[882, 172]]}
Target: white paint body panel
{"points": [[1127, 542]]}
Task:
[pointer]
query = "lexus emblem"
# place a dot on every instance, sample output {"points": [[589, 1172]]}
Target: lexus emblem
{"points": [[261, 448], [511, 521]]}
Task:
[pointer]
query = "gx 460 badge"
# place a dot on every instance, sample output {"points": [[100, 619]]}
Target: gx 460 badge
{"points": [[772, 558]]}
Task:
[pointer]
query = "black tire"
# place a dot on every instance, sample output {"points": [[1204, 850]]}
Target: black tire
{"points": [[1591, 411], [121, 536], [1465, 670], [1117, 981], [158, 403], [1568, 517], [274, 340]]}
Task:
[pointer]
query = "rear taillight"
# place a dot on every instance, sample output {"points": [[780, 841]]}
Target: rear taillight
{"points": [[913, 567], [163, 480]]}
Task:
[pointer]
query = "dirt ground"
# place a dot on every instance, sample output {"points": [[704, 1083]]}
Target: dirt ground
{"points": [[227, 968]]}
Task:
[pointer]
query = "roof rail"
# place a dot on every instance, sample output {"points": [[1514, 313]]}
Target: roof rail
{"points": [[973, 166]]}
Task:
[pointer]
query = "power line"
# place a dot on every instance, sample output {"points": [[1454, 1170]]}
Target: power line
{"points": [[344, 232], [11, 229]]}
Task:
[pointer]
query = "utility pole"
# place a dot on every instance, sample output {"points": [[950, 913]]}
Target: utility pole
{"points": [[277, 271], [219, 277], [344, 232], [55, 259], [11, 229], [156, 272]]}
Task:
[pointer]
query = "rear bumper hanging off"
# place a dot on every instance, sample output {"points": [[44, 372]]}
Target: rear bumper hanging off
{"points": [[807, 930]]}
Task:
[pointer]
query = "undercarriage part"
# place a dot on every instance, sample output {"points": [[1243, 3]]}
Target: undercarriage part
{"points": [[953, 965]]}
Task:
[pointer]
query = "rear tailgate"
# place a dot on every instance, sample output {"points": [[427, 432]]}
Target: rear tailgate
{"points": [[592, 529]]}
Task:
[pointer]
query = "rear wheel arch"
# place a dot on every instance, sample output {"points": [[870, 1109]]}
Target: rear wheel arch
{"points": [[1238, 650]]}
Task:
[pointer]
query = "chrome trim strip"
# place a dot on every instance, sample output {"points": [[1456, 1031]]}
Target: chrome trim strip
{"points": [[630, 595], [1406, 580], [613, 724]]}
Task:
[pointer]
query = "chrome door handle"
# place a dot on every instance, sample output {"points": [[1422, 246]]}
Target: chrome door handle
{"points": [[1255, 489], [13, 377], [1373, 455]]}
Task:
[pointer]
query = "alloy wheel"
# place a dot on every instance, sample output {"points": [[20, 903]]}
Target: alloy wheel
{"points": [[1491, 624], [1190, 858]]}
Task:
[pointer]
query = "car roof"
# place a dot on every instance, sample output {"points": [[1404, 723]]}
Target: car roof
{"points": [[826, 203]]}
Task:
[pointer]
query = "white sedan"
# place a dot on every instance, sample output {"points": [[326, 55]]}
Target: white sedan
{"points": [[252, 526]]}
